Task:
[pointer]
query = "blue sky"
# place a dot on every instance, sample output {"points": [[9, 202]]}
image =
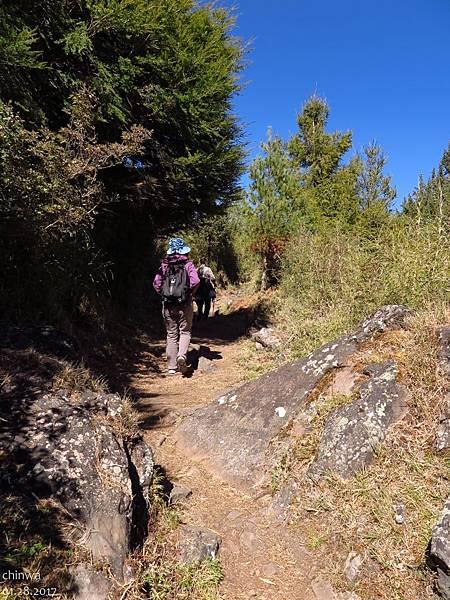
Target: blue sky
{"points": [[382, 65]]}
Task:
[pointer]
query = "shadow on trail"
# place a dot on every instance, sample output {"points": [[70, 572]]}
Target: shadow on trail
{"points": [[140, 354], [208, 336], [224, 328], [203, 351]]}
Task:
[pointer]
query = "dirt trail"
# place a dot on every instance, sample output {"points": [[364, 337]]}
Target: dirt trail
{"points": [[261, 559]]}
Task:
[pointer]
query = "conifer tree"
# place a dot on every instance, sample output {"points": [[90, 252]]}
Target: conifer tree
{"points": [[276, 205], [430, 200], [317, 153], [318, 156], [444, 190], [445, 162], [374, 189]]}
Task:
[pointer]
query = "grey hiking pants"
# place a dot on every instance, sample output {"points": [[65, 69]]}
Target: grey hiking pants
{"points": [[178, 321]]}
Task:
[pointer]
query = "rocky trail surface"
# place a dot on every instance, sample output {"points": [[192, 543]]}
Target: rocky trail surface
{"points": [[261, 558]]}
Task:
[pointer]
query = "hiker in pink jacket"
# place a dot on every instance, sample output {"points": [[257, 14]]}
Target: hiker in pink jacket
{"points": [[176, 282]]}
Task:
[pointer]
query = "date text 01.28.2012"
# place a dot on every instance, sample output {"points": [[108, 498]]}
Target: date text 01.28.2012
{"points": [[25, 591]]}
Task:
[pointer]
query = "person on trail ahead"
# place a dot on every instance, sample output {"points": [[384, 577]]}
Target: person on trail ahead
{"points": [[176, 281], [206, 291]]}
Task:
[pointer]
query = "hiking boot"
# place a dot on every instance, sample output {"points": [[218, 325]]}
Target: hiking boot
{"points": [[181, 363]]}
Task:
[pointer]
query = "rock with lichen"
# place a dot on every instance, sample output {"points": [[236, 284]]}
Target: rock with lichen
{"points": [[74, 452], [353, 432], [233, 435]]}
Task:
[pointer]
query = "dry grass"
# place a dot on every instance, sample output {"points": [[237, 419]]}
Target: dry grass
{"points": [[45, 372], [124, 424], [77, 377], [127, 421], [339, 277], [338, 516]]}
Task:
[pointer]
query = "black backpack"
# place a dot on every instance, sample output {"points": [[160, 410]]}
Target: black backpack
{"points": [[175, 285], [205, 287]]}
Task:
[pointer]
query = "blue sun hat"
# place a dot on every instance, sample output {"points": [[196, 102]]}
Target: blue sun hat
{"points": [[177, 246]]}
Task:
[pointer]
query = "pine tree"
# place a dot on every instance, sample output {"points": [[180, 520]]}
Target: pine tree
{"points": [[445, 162], [374, 189], [444, 191], [336, 198], [430, 200], [318, 156], [317, 153], [276, 205]]}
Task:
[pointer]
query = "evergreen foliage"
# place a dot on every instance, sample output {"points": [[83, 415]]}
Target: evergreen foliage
{"points": [[276, 205], [374, 189], [319, 155], [303, 194], [299, 183], [315, 151], [430, 200], [116, 126]]}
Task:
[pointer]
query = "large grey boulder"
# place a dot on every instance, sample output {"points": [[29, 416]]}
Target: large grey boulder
{"points": [[233, 434], [76, 455], [352, 432]]}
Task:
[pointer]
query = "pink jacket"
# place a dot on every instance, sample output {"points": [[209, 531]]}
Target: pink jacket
{"points": [[191, 271]]}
